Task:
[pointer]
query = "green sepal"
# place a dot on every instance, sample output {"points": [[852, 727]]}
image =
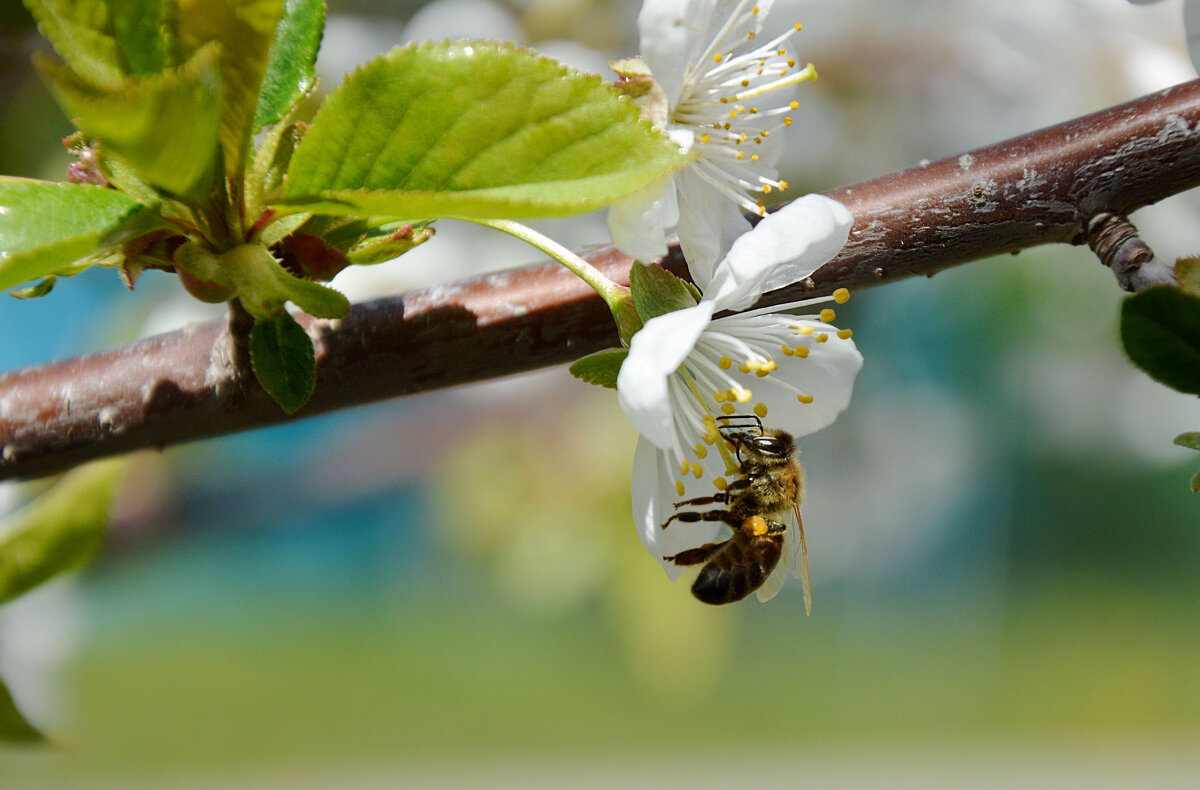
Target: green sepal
{"points": [[281, 353], [263, 286], [600, 368], [1160, 330], [107, 41], [656, 291], [1190, 440], [45, 226], [14, 728], [1187, 272], [37, 290], [59, 530], [475, 130], [244, 29], [165, 127], [291, 63]]}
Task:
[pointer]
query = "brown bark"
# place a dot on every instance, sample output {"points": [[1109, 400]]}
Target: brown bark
{"points": [[1044, 187]]}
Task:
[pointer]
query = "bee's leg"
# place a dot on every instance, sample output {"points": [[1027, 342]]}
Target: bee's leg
{"points": [[692, 516], [698, 555], [776, 527], [718, 498]]}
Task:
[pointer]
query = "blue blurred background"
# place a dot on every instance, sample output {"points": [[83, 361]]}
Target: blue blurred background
{"points": [[446, 590]]}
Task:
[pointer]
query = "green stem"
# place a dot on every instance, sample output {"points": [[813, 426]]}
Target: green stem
{"points": [[611, 292]]}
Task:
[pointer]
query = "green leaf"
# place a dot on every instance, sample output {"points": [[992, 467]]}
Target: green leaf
{"points": [[600, 368], [1191, 440], [1187, 271], [474, 130], [244, 29], [281, 354], [45, 226], [58, 531], [164, 126], [13, 726], [292, 60], [1160, 329], [37, 290], [657, 291], [106, 41]]}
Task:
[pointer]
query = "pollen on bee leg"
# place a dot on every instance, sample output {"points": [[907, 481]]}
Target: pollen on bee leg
{"points": [[760, 409], [755, 525], [805, 398]]}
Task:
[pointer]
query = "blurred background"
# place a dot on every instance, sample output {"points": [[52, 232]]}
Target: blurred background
{"points": [[446, 590]]}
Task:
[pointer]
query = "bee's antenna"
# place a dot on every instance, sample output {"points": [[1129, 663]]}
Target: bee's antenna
{"points": [[746, 420]]}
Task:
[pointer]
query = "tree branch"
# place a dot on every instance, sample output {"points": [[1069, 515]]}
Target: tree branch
{"points": [[1049, 186]]}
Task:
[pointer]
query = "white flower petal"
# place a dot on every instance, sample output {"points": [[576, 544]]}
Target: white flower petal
{"points": [[709, 223], [655, 354], [785, 247], [638, 223], [654, 495], [826, 375], [669, 31]]}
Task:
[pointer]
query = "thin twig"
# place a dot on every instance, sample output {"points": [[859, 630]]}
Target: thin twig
{"points": [[1040, 188]]}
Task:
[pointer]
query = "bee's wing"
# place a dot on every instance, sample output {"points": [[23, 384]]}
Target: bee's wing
{"points": [[787, 560], [802, 545]]}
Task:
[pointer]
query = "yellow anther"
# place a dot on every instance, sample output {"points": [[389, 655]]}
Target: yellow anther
{"points": [[683, 467], [760, 409], [766, 188], [740, 155], [727, 408], [791, 61], [821, 338], [740, 394], [787, 350], [717, 58], [740, 108], [783, 185], [803, 329], [802, 352], [844, 334], [754, 10], [828, 315], [753, 157], [841, 296], [805, 398], [697, 470], [724, 362], [700, 450], [679, 487], [750, 36], [704, 138], [766, 133], [781, 52], [799, 26], [720, 483], [720, 396], [754, 111], [743, 368], [746, 83]]}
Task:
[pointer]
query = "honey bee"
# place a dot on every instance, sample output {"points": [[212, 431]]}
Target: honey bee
{"points": [[761, 506]]}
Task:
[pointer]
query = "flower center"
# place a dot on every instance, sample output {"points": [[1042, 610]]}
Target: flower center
{"points": [[732, 357], [733, 100]]}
